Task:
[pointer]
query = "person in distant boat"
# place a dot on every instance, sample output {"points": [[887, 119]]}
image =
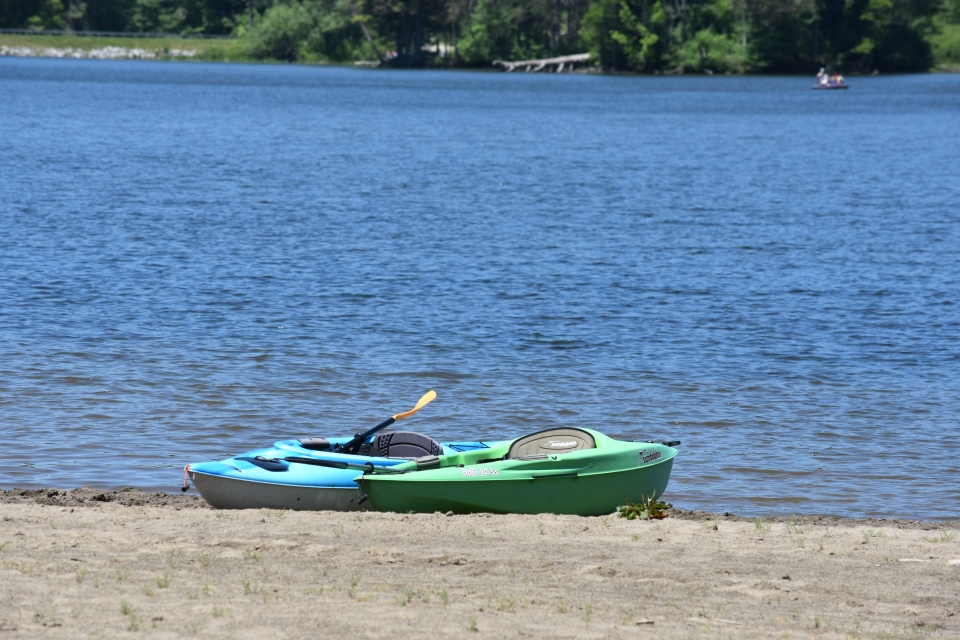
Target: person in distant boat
{"points": [[822, 76], [837, 78]]}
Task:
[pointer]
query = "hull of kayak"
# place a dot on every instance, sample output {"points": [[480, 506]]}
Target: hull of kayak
{"points": [[223, 492], [588, 495], [263, 479], [586, 482]]}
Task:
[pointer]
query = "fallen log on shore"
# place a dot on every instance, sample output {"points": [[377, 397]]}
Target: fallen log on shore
{"points": [[539, 65]]}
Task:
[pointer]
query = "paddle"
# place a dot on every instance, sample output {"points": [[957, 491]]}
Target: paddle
{"points": [[366, 467], [353, 446]]}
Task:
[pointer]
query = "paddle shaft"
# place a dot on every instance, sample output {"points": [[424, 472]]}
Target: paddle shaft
{"points": [[366, 467], [383, 425], [354, 444], [361, 436]]}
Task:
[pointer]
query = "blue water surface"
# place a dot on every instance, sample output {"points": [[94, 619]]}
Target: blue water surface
{"points": [[199, 259]]}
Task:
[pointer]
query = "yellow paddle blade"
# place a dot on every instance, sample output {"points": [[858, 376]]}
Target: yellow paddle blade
{"points": [[424, 401]]}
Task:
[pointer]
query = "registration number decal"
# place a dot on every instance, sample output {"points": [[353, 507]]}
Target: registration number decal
{"points": [[473, 473]]}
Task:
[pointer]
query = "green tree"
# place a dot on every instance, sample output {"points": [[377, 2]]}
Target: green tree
{"points": [[280, 33], [892, 35], [710, 51], [639, 44], [51, 14], [167, 16], [492, 33], [626, 34], [320, 30], [785, 36], [336, 35], [945, 36]]}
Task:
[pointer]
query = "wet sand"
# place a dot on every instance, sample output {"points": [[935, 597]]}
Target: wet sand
{"points": [[112, 564]]}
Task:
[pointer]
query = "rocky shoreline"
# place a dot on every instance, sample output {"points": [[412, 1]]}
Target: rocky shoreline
{"points": [[100, 53], [132, 497]]}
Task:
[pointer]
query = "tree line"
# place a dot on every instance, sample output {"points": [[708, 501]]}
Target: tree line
{"points": [[646, 36]]}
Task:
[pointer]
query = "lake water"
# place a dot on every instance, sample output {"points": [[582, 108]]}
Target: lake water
{"points": [[200, 259]]}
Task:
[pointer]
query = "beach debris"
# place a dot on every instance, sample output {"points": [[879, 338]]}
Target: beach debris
{"points": [[595, 569], [707, 620], [446, 559], [557, 64], [955, 561], [913, 560], [643, 621], [648, 510]]}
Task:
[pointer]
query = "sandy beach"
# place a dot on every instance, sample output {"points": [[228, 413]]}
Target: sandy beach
{"points": [[111, 564]]}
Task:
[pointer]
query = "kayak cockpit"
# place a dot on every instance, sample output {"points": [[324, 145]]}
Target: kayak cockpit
{"points": [[555, 441]]}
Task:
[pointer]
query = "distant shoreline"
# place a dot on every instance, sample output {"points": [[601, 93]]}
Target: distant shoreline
{"points": [[199, 50], [132, 497]]}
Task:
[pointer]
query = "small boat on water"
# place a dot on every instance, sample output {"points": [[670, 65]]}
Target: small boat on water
{"points": [[563, 471], [829, 82]]}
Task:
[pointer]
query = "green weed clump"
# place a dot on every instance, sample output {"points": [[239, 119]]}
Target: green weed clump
{"points": [[133, 620], [649, 509], [945, 536]]}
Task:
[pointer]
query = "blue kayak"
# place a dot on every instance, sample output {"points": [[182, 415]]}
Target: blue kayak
{"points": [[309, 474]]}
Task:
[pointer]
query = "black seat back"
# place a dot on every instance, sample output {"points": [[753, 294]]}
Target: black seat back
{"points": [[405, 444]]}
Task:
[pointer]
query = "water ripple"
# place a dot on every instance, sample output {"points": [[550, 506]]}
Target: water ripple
{"points": [[200, 259]]}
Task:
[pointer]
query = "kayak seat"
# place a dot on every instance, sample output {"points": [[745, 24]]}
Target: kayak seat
{"points": [[404, 444], [552, 441]]}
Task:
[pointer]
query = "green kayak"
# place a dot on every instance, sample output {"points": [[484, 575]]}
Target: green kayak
{"points": [[572, 471]]}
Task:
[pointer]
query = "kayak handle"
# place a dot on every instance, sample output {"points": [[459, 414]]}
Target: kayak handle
{"points": [[267, 464], [568, 474]]}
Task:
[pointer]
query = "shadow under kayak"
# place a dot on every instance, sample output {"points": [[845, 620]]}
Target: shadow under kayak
{"points": [[292, 476], [563, 471]]}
